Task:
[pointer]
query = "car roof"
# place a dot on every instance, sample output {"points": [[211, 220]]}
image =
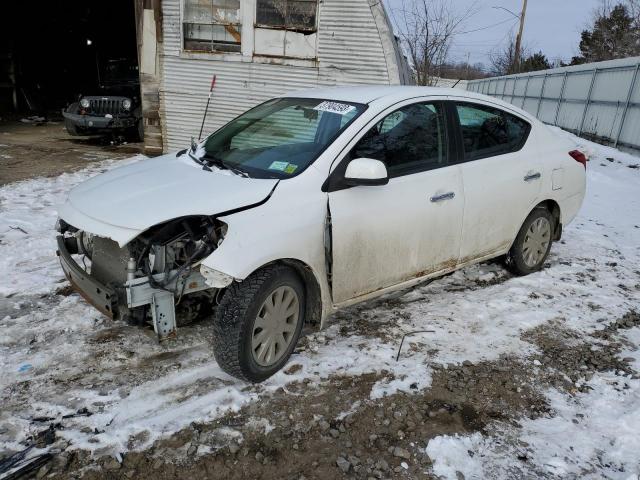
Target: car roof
{"points": [[394, 93], [366, 94]]}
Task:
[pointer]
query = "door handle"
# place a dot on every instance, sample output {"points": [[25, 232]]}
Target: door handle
{"points": [[532, 176], [443, 197]]}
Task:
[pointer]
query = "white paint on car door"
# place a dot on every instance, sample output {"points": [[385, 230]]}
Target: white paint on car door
{"points": [[499, 190], [389, 234], [385, 235]]}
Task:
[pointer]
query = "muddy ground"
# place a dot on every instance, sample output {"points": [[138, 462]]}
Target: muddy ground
{"points": [[29, 150], [334, 430]]}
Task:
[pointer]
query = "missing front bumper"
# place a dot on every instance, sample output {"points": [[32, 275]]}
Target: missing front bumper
{"points": [[93, 291], [137, 292]]}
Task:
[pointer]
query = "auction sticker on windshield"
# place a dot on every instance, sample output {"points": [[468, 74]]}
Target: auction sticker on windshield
{"points": [[278, 166], [335, 107], [285, 167]]}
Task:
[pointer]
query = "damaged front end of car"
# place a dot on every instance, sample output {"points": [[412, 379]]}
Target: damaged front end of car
{"points": [[146, 279]]}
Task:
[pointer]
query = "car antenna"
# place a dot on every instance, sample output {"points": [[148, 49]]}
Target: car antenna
{"points": [[454, 85], [213, 84]]}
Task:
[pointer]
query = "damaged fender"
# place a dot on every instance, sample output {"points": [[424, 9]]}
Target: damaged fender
{"points": [[124, 202], [275, 231]]}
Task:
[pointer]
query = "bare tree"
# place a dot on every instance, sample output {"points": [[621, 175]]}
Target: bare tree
{"points": [[427, 29], [503, 59], [504, 62]]}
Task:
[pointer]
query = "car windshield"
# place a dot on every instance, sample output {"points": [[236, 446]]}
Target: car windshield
{"points": [[119, 71], [281, 137]]}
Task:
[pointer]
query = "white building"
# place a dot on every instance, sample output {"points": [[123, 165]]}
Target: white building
{"points": [[257, 49]]}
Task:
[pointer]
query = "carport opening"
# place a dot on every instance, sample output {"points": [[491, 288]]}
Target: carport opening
{"points": [[52, 52]]}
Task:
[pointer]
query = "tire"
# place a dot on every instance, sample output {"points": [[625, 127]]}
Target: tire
{"points": [[239, 315], [140, 130], [71, 128], [527, 255]]}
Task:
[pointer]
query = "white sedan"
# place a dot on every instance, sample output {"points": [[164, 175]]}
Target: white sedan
{"points": [[312, 202]]}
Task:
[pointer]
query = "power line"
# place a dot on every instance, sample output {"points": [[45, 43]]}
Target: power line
{"points": [[487, 27]]}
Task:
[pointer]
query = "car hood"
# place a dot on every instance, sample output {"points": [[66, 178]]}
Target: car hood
{"points": [[124, 202]]}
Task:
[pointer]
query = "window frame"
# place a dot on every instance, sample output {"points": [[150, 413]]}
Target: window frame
{"points": [[453, 113], [336, 180], [284, 27], [213, 51]]}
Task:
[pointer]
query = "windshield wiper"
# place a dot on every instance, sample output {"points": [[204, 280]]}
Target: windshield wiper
{"points": [[207, 161]]}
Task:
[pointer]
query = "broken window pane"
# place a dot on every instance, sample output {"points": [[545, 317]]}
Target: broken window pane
{"points": [[212, 25], [287, 14]]}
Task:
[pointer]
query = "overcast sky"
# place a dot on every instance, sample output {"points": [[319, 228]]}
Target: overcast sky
{"points": [[552, 26]]}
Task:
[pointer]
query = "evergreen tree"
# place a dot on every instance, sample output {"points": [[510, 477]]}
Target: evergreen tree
{"points": [[537, 61], [615, 34]]}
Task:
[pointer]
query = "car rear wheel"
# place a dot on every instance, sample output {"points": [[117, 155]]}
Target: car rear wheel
{"points": [[258, 323], [533, 243]]}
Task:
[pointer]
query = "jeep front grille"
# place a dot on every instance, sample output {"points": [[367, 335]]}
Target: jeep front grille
{"points": [[103, 106]]}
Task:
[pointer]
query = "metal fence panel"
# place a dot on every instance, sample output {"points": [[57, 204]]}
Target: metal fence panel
{"points": [[578, 86], [598, 100], [570, 114], [631, 127]]}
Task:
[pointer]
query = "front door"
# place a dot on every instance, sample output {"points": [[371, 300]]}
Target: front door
{"points": [[409, 228]]}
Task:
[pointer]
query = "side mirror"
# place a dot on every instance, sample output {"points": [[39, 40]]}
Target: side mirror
{"points": [[366, 172]]}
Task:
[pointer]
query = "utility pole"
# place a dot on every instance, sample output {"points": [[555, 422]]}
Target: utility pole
{"points": [[468, 57], [516, 58]]}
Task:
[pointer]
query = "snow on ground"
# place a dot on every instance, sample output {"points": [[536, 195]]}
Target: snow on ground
{"points": [[27, 218], [58, 355], [594, 434]]}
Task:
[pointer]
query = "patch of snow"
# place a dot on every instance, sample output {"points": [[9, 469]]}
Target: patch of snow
{"points": [[452, 454], [260, 424], [594, 434], [591, 435], [28, 260], [632, 351], [353, 409]]}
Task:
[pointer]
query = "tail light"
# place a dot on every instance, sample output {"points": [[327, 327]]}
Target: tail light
{"points": [[579, 157]]}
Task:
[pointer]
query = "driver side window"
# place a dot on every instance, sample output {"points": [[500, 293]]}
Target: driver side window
{"points": [[409, 140]]}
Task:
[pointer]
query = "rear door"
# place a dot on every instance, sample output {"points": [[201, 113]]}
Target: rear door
{"points": [[389, 234], [502, 177]]}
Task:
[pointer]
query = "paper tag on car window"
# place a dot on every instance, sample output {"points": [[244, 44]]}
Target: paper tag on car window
{"points": [[281, 166], [285, 167], [335, 107]]}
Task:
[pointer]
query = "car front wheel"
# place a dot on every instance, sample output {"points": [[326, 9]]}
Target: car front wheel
{"points": [[533, 243], [258, 323]]}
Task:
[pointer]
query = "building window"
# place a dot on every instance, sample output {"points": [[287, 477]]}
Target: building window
{"points": [[296, 15], [212, 25]]}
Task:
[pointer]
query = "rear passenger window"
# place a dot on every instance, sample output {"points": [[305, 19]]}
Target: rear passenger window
{"points": [[409, 140], [487, 131]]}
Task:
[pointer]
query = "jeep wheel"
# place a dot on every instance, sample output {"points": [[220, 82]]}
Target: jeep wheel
{"points": [[533, 243], [140, 129], [70, 126], [258, 323]]}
